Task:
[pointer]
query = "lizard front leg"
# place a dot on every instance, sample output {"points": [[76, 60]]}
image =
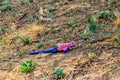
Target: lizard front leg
{"points": [[66, 50]]}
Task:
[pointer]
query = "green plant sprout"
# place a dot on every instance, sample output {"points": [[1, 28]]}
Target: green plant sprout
{"points": [[89, 46], [40, 0], [2, 28], [24, 39], [21, 12], [50, 11], [92, 27], [3, 38], [72, 23], [14, 13], [89, 19], [118, 9], [6, 5], [84, 37], [58, 73], [91, 55], [31, 1], [23, 2], [27, 66], [40, 44], [10, 64], [30, 19], [117, 38], [106, 15], [110, 2], [52, 2], [36, 18]]}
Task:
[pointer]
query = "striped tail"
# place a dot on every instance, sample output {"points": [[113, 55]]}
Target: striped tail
{"points": [[35, 52]]}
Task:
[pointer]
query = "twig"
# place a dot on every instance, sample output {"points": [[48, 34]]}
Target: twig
{"points": [[98, 40]]}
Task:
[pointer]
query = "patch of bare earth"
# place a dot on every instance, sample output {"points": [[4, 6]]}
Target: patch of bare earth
{"points": [[76, 63]]}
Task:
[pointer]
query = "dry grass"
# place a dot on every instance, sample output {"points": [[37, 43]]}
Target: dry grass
{"points": [[11, 75], [117, 22], [32, 30]]}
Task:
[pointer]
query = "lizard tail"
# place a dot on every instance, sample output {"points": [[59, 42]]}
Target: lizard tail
{"points": [[50, 50], [35, 52]]}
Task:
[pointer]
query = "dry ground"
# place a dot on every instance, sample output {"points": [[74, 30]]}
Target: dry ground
{"points": [[76, 63]]}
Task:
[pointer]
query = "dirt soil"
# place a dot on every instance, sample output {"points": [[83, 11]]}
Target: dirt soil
{"points": [[53, 27]]}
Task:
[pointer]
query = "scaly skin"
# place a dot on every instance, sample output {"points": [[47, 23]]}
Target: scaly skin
{"points": [[58, 48], [65, 46]]}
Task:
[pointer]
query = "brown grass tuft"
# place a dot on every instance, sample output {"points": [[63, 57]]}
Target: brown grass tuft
{"points": [[117, 22]]}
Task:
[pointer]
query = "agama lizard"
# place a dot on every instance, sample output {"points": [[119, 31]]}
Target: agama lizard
{"points": [[64, 47]]}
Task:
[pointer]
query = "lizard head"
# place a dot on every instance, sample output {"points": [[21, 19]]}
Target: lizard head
{"points": [[72, 43]]}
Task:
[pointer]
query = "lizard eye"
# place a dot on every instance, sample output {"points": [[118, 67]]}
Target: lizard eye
{"points": [[72, 43]]}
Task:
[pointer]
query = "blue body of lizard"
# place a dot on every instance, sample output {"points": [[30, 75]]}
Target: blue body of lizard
{"points": [[51, 50]]}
